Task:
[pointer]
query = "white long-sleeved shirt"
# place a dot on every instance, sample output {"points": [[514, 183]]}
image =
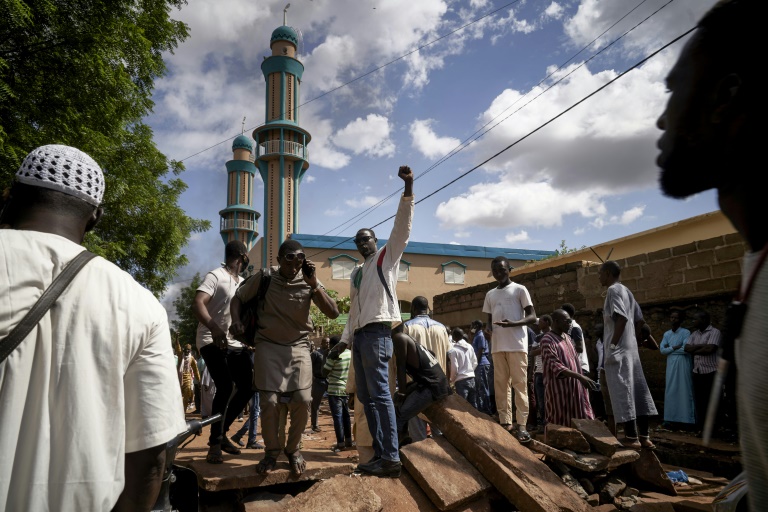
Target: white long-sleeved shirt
{"points": [[373, 296], [463, 361]]}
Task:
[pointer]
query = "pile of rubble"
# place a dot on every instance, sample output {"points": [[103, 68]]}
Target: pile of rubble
{"points": [[592, 462]]}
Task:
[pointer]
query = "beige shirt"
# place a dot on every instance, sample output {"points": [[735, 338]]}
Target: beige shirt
{"points": [[281, 359]]}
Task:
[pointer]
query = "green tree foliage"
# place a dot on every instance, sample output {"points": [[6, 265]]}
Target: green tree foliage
{"points": [[186, 322], [330, 327], [564, 249], [81, 73]]}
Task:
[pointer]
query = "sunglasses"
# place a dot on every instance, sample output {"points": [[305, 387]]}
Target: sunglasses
{"points": [[294, 255], [363, 240]]}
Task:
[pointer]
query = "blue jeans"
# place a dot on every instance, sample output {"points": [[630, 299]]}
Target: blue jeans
{"points": [[416, 401], [253, 419], [483, 397], [371, 352], [465, 388], [541, 404], [341, 423]]}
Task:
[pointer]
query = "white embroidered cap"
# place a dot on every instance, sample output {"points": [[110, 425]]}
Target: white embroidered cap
{"points": [[65, 169]]}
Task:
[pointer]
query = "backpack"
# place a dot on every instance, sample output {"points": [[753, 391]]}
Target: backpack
{"points": [[249, 311]]}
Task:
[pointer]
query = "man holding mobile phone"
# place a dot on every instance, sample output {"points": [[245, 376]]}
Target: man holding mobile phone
{"points": [[283, 367]]}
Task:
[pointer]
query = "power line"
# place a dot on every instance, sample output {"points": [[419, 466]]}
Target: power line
{"points": [[367, 73]]}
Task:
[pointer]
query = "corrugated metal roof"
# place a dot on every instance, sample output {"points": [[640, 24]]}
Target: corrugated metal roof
{"points": [[468, 251]]}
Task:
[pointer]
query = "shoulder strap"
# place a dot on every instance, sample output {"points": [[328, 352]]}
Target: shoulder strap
{"points": [[266, 278], [43, 304]]}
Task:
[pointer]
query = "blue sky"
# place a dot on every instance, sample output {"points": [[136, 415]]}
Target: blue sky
{"points": [[587, 177]]}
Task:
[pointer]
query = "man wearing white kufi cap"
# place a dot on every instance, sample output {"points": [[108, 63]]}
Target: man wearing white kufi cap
{"points": [[89, 397]]}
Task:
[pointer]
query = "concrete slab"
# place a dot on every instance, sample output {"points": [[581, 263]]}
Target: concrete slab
{"points": [[648, 470], [589, 463], [512, 468], [598, 436], [562, 437], [443, 473]]}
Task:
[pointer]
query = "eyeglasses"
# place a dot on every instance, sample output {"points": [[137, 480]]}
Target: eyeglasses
{"points": [[363, 240], [293, 255]]}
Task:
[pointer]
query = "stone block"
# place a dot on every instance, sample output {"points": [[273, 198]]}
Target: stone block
{"points": [[622, 457], [593, 499], [652, 507], [589, 463], [509, 466], [443, 473], [342, 492], [559, 436], [648, 470], [598, 436], [692, 506], [729, 252], [574, 485], [612, 488]]}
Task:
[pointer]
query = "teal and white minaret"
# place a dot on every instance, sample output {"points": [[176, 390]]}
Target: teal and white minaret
{"points": [[281, 144], [239, 218]]}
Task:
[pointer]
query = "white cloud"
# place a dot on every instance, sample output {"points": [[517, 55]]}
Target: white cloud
{"points": [[521, 236], [334, 212], [427, 142], [627, 217], [462, 234], [363, 202], [369, 136], [308, 179]]}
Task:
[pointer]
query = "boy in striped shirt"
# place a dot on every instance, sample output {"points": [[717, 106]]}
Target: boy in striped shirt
{"points": [[336, 370]]}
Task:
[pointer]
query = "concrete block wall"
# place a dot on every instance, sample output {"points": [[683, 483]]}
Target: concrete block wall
{"points": [[699, 275]]}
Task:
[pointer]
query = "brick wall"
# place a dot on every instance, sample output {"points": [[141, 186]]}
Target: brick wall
{"points": [[698, 275]]}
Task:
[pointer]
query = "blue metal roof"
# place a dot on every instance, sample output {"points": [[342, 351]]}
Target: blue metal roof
{"points": [[342, 243]]}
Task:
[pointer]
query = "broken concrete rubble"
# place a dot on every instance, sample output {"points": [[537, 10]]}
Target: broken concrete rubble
{"points": [[443, 473], [512, 468], [562, 437], [598, 436]]}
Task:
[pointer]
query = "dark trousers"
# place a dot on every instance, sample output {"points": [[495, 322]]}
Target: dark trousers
{"points": [[342, 424], [465, 388], [483, 392], [319, 386], [228, 369], [702, 389]]}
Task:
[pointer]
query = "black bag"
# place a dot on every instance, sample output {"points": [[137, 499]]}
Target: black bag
{"points": [[249, 311]]}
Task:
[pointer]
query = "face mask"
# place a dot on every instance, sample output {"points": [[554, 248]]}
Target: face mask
{"points": [[473, 331]]}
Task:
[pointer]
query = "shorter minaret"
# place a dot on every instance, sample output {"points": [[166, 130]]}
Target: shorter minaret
{"points": [[239, 218]]}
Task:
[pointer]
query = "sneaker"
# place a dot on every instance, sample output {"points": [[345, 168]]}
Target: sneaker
{"points": [[254, 445], [237, 440], [315, 428], [383, 468]]}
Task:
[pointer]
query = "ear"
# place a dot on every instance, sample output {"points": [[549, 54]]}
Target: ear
{"points": [[95, 218], [727, 97]]}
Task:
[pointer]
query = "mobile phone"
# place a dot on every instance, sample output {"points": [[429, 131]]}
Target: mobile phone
{"points": [[306, 269]]}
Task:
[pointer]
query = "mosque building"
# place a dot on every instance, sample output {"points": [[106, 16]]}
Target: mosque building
{"points": [[279, 151]]}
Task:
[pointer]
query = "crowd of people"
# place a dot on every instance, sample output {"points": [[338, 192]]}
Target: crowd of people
{"points": [[90, 401]]}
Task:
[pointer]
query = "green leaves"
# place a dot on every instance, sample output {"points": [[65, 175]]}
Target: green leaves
{"points": [[81, 73]]}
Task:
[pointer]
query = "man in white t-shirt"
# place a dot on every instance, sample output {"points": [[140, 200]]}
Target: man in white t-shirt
{"points": [[90, 397], [227, 360], [510, 310]]}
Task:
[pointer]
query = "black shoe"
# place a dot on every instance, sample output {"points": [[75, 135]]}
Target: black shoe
{"points": [[254, 445], [237, 440], [315, 429], [383, 468], [370, 463]]}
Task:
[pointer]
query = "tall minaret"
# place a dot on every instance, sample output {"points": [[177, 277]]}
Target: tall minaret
{"points": [[238, 219], [281, 144]]}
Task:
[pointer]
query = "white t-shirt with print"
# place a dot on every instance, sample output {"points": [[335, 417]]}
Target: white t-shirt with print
{"points": [[95, 379]]}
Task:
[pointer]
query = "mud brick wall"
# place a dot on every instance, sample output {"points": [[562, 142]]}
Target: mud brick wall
{"points": [[699, 275]]}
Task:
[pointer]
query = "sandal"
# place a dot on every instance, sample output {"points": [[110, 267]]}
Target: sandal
{"points": [[229, 447], [297, 462], [266, 465], [214, 455], [631, 443], [645, 442], [523, 436]]}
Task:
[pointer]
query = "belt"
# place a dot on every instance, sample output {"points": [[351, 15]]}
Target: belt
{"points": [[374, 325]]}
